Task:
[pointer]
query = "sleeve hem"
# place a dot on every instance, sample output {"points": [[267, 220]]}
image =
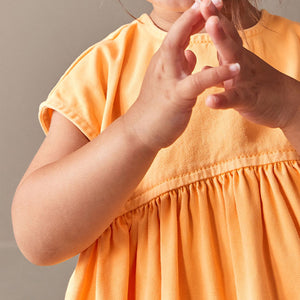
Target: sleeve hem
{"points": [[45, 115]]}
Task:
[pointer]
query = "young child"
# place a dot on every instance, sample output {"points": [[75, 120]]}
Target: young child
{"points": [[172, 170]]}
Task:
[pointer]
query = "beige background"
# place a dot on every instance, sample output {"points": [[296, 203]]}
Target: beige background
{"points": [[39, 40]]}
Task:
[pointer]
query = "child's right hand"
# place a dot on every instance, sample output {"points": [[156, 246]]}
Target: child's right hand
{"points": [[169, 90]]}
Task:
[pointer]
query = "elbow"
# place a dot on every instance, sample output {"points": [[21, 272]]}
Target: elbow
{"points": [[40, 255], [41, 260], [35, 256], [30, 247], [35, 251], [29, 236]]}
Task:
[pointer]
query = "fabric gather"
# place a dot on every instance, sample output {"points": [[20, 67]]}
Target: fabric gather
{"points": [[206, 238]]}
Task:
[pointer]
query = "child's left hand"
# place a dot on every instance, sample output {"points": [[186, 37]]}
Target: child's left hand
{"points": [[260, 93]]}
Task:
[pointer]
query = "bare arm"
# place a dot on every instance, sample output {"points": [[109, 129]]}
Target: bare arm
{"points": [[74, 189], [62, 207]]}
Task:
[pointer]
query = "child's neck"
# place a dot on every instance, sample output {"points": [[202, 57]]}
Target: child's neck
{"points": [[164, 20]]}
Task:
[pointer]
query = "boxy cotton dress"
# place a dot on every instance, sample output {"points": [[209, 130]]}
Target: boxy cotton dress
{"points": [[217, 214]]}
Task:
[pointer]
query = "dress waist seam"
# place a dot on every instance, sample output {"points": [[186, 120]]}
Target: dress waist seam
{"points": [[149, 192]]}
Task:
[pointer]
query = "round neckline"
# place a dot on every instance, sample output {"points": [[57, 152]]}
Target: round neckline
{"points": [[204, 37]]}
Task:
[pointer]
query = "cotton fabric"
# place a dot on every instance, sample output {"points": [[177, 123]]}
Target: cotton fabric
{"points": [[217, 214]]}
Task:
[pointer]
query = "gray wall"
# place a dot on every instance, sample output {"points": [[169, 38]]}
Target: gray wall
{"points": [[39, 40]]}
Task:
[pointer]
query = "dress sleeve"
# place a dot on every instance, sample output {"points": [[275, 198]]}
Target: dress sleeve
{"points": [[79, 94]]}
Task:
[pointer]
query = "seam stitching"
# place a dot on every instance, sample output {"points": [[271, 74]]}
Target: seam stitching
{"points": [[204, 179], [214, 165]]}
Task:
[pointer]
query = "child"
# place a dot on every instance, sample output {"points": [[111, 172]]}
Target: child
{"points": [[172, 170]]}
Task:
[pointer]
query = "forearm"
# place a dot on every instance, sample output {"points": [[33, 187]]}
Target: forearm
{"points": [[62, 208]]}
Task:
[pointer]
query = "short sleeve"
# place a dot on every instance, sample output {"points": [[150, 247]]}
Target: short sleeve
{"points": [[79, 94]]}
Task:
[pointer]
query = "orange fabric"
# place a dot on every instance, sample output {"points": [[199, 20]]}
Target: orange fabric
{"points": [[217, 215]]}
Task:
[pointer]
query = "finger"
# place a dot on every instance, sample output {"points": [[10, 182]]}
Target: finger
{"points": [[218, 6], [191, 61], [229, 99], [179, 34], [221, 84], [230, 29], [195, 84], [180, 31], [228, 50], [208, 9]]}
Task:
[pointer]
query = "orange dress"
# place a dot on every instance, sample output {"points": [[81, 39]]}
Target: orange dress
{"points": [[217, 214]]}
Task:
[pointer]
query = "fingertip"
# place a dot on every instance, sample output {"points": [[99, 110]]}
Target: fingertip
{"points": [[211, 24], [213, 21], [215, 29], [212, 101], [210, 7], [218, 3]]}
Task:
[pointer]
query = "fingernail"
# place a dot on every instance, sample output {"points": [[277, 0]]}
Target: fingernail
{"points": [[196, 5], [235, 67], [217, 2]]}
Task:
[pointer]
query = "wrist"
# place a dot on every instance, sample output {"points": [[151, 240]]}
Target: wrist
{"points": [[136, 134]]}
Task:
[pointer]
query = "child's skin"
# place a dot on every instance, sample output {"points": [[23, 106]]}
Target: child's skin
{"points": [[66, 198]]}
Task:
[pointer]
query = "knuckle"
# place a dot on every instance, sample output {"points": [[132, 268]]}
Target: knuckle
{"points": [[197, 82], [220, 73]]}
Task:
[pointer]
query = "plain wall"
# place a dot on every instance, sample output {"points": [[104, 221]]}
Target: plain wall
{"points": [[39, 40]]}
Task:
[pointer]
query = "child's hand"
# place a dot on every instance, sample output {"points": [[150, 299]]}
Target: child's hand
{"points": [[169, 90], [260, 93]]}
